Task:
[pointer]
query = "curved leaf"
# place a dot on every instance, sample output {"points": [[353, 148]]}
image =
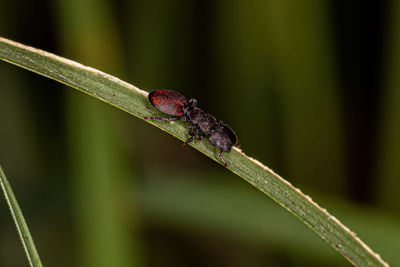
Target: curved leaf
{"points": [[134, 101]]}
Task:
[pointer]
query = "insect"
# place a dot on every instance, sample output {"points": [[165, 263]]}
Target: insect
{"points": [[200, 123]]}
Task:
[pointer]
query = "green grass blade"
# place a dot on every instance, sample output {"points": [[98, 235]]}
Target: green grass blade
{"points": [[134, 101], [22, 227]]}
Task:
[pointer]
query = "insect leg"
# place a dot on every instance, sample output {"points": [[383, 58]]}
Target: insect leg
{"points": [[220, 156], [161, 118], [200, 135], [192, 134]]}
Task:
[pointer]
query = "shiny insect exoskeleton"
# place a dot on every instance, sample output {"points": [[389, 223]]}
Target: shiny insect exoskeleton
{"points": [[200, 123]]}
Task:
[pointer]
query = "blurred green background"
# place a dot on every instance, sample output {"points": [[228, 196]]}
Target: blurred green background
{"points": [[310, 87]]}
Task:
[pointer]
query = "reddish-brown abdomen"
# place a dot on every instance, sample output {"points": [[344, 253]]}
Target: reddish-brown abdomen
{"points": [[168, 102]]}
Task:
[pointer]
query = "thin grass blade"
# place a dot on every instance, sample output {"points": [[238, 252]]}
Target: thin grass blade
{"points": [[134, 101], [22, 227]]}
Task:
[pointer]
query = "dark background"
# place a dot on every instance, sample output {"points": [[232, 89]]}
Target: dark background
{"points": [[311, 89]]}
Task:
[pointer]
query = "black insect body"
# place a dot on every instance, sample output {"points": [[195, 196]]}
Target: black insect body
{"points": [[224, 138], [200, 123]]}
